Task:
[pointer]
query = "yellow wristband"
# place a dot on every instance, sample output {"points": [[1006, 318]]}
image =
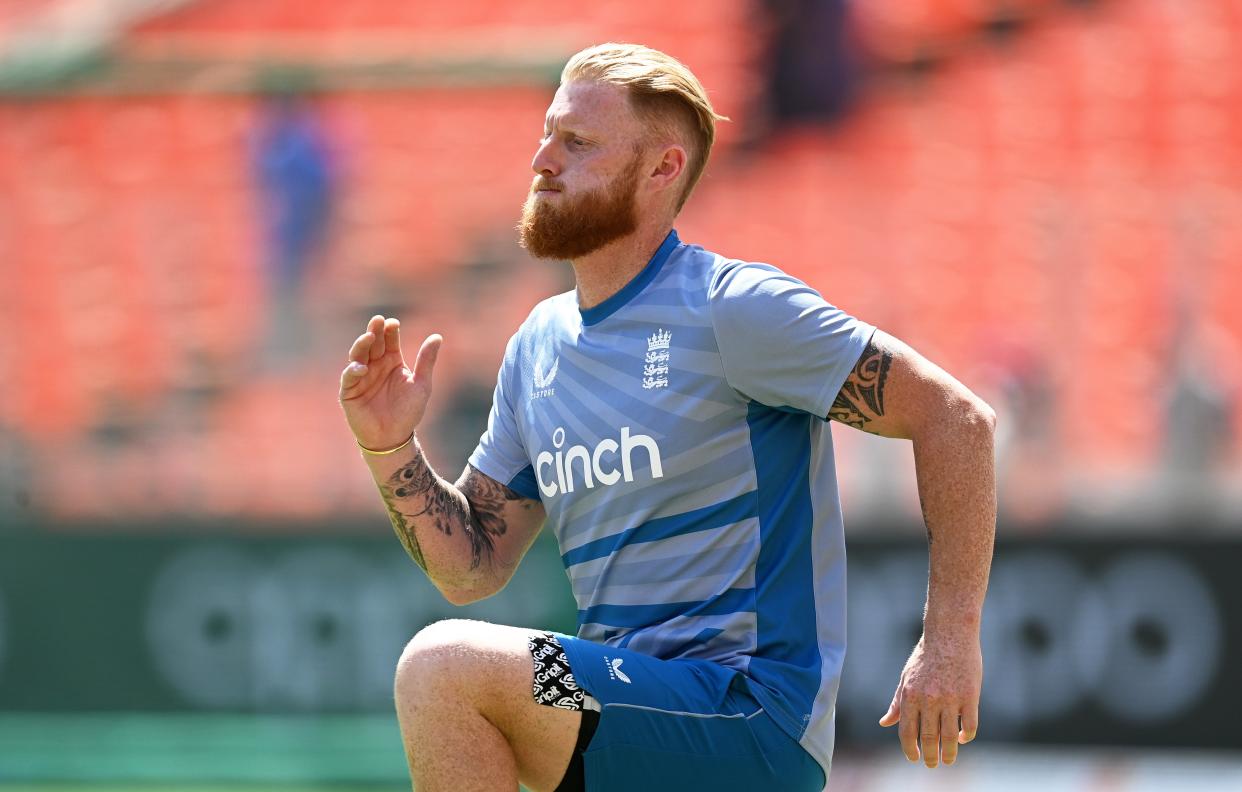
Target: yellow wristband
{"points": [[366, 450]]}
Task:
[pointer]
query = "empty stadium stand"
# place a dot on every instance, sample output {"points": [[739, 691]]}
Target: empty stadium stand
{"points": [[1068, 194]]}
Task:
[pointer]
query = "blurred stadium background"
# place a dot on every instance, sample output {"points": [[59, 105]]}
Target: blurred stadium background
{"points": [[202, 201]]}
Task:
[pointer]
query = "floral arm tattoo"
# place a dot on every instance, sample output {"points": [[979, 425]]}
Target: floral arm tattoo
{"points": [[861, 398], [474, 509]]}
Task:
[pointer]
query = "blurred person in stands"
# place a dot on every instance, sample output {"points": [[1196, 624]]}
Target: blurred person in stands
{"points": [[810, 64], [668, 419], [297, 185], [1200, 399]]}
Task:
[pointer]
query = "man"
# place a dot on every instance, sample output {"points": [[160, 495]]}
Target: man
{"points": [[668, 420]]}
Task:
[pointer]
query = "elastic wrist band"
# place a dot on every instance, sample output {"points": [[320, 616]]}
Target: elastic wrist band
{"points": [[366, 450]]}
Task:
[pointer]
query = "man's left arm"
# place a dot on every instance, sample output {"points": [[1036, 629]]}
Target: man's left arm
{"points": [[894, 391]]}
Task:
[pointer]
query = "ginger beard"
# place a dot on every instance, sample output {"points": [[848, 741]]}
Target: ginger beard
{"points": [[583, 224]]}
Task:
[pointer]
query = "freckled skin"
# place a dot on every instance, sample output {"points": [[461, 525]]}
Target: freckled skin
{"points": [[895, 392]]}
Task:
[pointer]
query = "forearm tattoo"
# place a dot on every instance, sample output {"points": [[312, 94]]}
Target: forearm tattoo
{"points": [[861, 398], [415, 483], [487, 499], [479, 514]]}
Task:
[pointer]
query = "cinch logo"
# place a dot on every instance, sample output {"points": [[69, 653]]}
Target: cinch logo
{"points": [[596, 467]]}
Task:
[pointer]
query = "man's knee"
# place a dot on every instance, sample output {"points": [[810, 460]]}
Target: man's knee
{"points": [[443, 659]]}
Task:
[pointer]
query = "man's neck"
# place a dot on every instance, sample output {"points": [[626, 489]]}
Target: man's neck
{"points": [[606, 271]]}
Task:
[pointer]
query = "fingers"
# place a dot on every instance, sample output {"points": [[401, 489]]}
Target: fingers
{"points": [[924, 733], [390, 334], [890, 717], [908, 732], [366, 348], [376, 328], [352, 374], [929, 738], [934, 736], [381, 336], [970, 722], [427, 355], [948, 736], [360, 352]]}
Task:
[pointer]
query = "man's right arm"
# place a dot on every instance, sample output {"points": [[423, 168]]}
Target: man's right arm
{"points": [[467, 537]]}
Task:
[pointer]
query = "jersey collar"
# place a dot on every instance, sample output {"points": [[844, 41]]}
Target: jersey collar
{"points": [[599, 313]]}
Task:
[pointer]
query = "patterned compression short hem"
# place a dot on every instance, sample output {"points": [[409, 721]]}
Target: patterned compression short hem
{"points": [[554, 683]]}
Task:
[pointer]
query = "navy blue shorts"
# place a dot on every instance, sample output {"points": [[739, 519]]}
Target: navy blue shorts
{"points": [[681, 724]]}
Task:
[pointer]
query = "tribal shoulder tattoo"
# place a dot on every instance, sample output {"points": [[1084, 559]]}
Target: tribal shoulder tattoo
{"points": [[414, 491], [861, 398]]}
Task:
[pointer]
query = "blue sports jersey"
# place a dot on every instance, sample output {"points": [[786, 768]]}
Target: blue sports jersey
{"points": [[676, 435]]}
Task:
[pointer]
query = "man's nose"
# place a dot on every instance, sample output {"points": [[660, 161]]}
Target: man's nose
{"points": [[545, 162]]}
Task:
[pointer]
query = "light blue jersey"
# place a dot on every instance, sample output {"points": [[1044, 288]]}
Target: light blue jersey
{"points": [[676, 436]]}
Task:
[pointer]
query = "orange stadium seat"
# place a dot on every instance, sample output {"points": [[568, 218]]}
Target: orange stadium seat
{"points": [[905, 30]]}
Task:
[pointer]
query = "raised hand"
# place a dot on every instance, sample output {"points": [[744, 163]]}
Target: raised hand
{"points": [[383, 399]]}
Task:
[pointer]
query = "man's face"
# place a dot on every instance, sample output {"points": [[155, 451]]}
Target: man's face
{"points": [[585, 191]]}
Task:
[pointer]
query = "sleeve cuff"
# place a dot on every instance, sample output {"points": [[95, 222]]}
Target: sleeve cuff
{"points": [[524, 483], [861, 337]]}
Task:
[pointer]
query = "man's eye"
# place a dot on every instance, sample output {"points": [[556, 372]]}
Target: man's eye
{"points": [[579, 142]]}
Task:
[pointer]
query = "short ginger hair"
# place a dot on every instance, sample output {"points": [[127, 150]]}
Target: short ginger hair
{"points": [[662, 92]]}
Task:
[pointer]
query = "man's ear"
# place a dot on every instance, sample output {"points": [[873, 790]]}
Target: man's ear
{"points": [[670, 166]]}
